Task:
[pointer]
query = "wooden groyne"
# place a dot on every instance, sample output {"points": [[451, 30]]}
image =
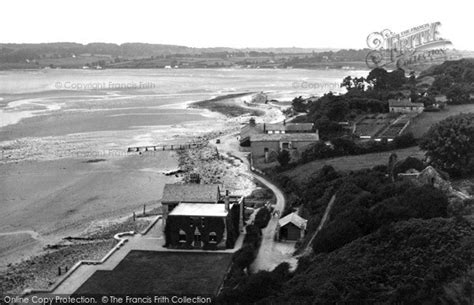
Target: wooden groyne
{"points": [[164, 147]]}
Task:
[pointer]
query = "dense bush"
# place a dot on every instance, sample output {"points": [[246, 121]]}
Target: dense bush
{"points": [[365, 201], [409, 163], [450, 144], [283, 158], [410, 262], [256, 287], [262, 218]]}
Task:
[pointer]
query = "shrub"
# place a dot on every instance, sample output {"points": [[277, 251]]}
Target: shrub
{"points": [[262, 218], [283, 158], [450, 144]]}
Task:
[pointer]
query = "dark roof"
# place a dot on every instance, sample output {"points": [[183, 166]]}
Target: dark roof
{"points": [[200, 193], [248, 130], [403, 103], [290, 126], [290, 137]]}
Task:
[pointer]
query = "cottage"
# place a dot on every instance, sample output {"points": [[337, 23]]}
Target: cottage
{"points": [[247, 131], [174, 194], [288, 128], [405, 106], [208, 226], [291, 227], [261, 145], [277, 128]]}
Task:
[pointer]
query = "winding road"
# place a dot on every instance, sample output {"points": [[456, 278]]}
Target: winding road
{"points": [[272, 253]]}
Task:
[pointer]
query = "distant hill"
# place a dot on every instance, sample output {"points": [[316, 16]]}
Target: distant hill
{"points": [[145, 55], [10, 52]]}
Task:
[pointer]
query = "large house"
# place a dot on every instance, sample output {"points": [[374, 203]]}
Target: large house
{"points": [[261, 145], [198, 217], [277, 128], [405, 106], [264, 139], [174, 194], [288, 128]]}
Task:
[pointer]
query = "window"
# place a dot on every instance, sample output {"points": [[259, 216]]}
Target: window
{"points": [[213, 237], [182, 236], [285, 145]]}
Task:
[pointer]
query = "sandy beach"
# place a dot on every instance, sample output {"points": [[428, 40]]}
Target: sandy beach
{"points": [[59, 198], [47, 195]]}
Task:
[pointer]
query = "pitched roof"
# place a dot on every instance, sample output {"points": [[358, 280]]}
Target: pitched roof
{"points": [[200, 210], [403, 103], [190, 193], [289, 137], [248, 130], [294, 219], [290, 126]]}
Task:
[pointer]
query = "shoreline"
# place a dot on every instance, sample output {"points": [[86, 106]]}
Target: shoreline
{"points": [[69, 198]]}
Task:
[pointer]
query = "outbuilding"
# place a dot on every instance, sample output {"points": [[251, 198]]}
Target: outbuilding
{"points": [[292, 227]]}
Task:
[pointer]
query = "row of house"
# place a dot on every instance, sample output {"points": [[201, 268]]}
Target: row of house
{"points": [[405, 105]]}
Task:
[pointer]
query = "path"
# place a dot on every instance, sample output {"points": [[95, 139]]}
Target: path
{"points": [[309, 249], [271, 252]]}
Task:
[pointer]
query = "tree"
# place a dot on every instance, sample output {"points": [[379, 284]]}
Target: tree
{"points": [[359, 83], [262, 218], [252, 122], [441, 83], [347, 83], [378, 78], [299, 104], [283, 158], [450, 144], [396, 79], [458, 94]]}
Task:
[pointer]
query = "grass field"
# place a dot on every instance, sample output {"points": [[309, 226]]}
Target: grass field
{"points": [[425, 120], [303, 172], [162, 273]]}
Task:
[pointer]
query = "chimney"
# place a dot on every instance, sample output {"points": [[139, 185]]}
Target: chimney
{"points": [[226, 201], [264, 127], [284, 122]]}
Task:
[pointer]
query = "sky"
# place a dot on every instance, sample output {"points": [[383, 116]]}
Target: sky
{"points": [[225, 23]]}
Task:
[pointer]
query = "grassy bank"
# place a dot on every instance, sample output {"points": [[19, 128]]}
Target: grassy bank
{"points": [[351, 163]]}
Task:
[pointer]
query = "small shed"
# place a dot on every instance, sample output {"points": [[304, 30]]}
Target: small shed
{"points": [[291, 227]]}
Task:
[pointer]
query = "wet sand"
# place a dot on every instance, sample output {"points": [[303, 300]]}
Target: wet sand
{"points": [[59, 198]]}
